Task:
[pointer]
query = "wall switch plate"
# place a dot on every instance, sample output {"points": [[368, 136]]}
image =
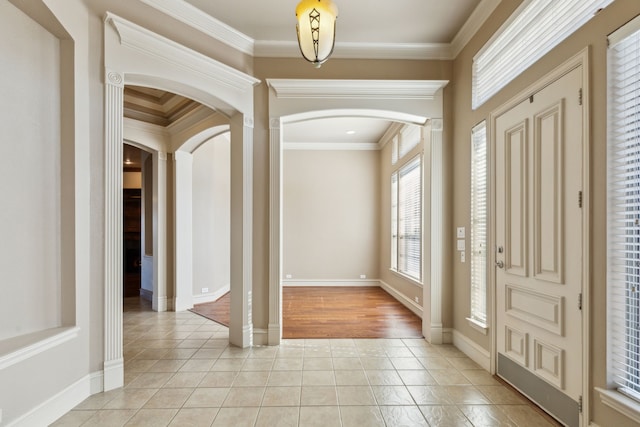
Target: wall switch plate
{"points": [[288, 276], [463, 258], [460, 233], [461, 244], [205, 290], [363, 276]]}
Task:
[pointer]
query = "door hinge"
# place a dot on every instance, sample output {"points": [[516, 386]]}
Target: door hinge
{"points": [[580, 198], [580, 404], [580, 96], [580, 301]]}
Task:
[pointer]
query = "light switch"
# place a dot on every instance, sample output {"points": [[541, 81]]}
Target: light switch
{"points": [[463, 258], [460, 233], [461, 244]]}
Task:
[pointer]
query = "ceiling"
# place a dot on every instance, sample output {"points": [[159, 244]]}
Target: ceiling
{"points": [[359, 21], [402, 24]]}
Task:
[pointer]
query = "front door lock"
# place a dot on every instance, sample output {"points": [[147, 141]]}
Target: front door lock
{"points": [[499, 264]]}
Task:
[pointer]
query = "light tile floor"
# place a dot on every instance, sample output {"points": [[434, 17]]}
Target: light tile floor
{"points": [[181, 371]]}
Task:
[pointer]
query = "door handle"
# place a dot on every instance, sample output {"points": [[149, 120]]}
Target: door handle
{"points": [[499, 264]]}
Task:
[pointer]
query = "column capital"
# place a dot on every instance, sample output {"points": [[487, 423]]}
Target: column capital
{"points": [[114, 78], [437, 125], [274, 123], [247, 121]]}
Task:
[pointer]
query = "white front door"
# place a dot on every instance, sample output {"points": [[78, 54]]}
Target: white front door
{"points": [[538, 237]]}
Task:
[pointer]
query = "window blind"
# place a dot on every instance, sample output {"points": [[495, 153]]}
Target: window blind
{"points": [[410, 219], [533, 30], [623, 212], [479, 223], [394, 221], [409, 138]]}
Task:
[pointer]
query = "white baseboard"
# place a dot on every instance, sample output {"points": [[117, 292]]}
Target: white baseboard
{"points": [[210, 297], [331, 282], [447, 336], [402, 299], [475, 352], [58, 405], [260, 336]]}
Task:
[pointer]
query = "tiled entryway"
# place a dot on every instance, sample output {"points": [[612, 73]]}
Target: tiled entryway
{"points": [[181, 371]]}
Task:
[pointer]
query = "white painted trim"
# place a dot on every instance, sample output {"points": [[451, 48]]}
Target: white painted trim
{"points": [[447, 335], [474, 351], [212, 296], [356, 89], [359, 50], [17, 349], [147, 42], [621, 403], [478, 326], [402, 299], [260, 337], [59, 404], [478, 17], [113, 374], [331, 282], [201, 21], [331, 146]]}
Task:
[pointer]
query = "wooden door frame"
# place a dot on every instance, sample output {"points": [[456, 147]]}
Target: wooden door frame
{"points": [[580, 59]]}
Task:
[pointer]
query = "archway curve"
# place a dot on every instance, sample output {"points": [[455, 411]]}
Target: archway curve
{"points": [[292, 100]]}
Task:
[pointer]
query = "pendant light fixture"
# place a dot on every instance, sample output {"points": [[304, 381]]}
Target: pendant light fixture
{"points": [[316, 29]]}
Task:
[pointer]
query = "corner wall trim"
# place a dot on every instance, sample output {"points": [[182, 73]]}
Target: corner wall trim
{"points": [[475, 352], [32, 344], [58, 405]]}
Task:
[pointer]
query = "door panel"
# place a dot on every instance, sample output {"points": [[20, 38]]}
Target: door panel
{"points": [[538, 235]]}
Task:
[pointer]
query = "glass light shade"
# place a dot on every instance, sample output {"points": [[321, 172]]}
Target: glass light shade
{"points": [[316, 29]]}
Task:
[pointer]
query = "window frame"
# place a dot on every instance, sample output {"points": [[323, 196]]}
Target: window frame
{"points": [[415, 152], [479, 220]]}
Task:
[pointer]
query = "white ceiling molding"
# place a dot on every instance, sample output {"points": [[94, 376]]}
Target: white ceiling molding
{"points": [[356, 89], [148, 42], [195, 18], [416, 51], [478, 17], [199, 20], [332, 146]]}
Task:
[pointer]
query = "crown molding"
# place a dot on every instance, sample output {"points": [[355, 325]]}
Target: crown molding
{"points": [[347, 50], [331, 146], [359, 89], [207, 24], [148, 42], [478, 17]]}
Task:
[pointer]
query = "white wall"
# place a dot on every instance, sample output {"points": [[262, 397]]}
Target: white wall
{"points": [[211, 218], [331, 208], [30, 180]]}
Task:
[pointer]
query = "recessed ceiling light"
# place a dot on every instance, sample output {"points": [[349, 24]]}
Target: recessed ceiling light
{"points": [[351, 132]]}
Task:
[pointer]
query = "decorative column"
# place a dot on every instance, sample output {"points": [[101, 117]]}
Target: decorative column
{"points": [[241, 323], [183, 230], [436, 233], [159, 300], [275, 231], [113, 360]]}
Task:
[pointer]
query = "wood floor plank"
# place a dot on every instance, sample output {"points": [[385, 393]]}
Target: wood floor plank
{"points": [[334, 312]]}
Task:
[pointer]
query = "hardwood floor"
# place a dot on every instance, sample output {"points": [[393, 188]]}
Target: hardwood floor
{"points": [[335, 312]]}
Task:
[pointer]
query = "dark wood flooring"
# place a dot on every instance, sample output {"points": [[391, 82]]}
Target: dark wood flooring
{"points": [[333, 312]]}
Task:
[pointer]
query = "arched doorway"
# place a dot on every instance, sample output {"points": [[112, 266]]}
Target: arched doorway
{"points": [[134, 55]]}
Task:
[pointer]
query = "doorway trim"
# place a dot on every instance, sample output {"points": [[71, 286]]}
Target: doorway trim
{"points": [[135, 55], [409, 101], [580, 59]]}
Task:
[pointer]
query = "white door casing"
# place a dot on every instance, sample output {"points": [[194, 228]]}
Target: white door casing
{"points": [[538, 230]]}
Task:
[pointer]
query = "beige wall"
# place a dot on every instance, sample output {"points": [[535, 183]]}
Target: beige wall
{"points": [[211, 215], [594, 36], [330, 215]]}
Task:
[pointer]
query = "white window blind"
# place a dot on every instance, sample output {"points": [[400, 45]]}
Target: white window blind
{"points": [[394, 150], [479, 223], [410, 219], [409, 138], [533, 30], [623, 213], [394, 221]]}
